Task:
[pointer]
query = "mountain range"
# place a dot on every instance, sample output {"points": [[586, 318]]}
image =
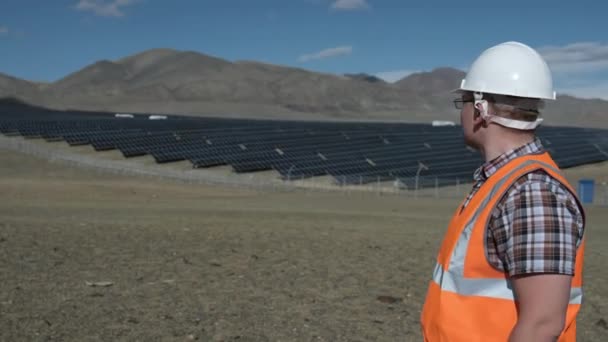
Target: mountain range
{"points": [[166, 81]]}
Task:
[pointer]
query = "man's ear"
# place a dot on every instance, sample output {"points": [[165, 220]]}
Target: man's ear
{"points": [[478, 120], [481, 113]]}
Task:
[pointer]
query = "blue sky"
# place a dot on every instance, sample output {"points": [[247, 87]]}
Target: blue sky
{"points": [[45, 40]]}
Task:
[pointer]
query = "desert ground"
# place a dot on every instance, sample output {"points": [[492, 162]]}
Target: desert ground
{"points": [[88, 256]]}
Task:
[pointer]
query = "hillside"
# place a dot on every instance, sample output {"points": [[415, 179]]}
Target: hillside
{"points": [[187, 82]]}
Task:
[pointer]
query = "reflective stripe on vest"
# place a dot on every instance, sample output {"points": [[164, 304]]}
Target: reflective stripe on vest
{"points": [[485, 287], [453, 280]]}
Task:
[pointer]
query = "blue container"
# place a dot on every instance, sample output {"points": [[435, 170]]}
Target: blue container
{"points": [[585, 190]]}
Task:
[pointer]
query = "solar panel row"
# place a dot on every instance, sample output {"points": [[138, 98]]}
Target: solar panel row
{"points": [[350, 152]]}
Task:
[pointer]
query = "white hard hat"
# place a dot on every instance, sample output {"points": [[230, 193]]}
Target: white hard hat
{"points": [[510, 68]]}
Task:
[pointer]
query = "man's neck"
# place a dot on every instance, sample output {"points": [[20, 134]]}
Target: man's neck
{"points": [[501, 144]]}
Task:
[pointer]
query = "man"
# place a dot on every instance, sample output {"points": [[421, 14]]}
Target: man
{"points": [[510, 266]]}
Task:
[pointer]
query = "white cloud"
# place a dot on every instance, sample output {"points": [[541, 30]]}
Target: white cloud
{"points": [[349, 5], [576, 57], [591, 90], [395, 75], [576, 67], [3, 30], [105, 8], [327, 53]]}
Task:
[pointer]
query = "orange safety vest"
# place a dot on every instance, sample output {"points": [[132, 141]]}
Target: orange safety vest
{"points": [[468, 299]]}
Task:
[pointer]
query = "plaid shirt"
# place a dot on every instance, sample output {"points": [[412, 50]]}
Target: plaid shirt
{"points": [[537, 226]]}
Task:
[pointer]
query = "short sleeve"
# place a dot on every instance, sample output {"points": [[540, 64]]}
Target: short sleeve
{"points": [[537, 228]]}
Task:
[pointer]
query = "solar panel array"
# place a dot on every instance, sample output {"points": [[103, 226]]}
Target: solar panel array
{"points": [[350, 152]]}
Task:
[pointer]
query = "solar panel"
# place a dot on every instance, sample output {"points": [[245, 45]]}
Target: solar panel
{"points": [[350, 152]]}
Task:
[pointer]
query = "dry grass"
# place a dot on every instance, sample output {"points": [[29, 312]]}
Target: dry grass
{"points": [[218, 264]]}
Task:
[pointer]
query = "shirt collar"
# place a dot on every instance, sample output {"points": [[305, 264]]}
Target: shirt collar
{"points": [[489, 168]]}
